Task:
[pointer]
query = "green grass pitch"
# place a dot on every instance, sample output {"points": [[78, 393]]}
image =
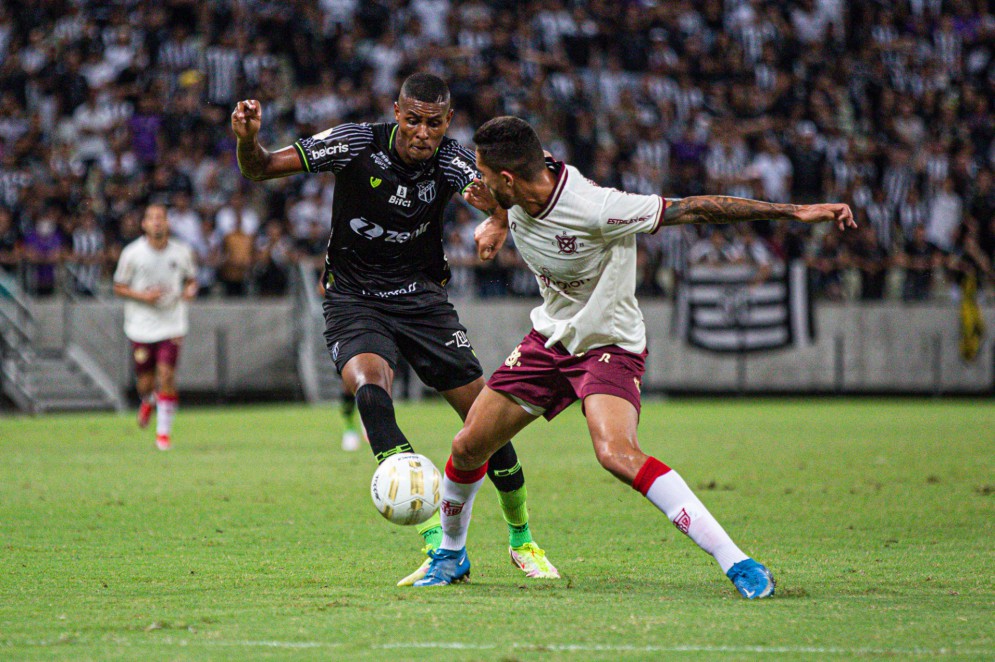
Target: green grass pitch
{"points": [[255, 538]]}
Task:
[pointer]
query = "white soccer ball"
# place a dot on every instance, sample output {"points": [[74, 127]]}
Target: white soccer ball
{"points": [[407, 488]]}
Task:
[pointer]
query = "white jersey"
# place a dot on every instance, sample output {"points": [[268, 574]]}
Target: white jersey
{"points": [[582, 249], [141, 267]]}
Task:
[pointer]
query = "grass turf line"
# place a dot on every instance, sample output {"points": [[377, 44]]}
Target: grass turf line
{"points": [[257, 532]]}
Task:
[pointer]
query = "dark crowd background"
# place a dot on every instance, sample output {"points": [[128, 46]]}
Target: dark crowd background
{"points": [[108, 106]]}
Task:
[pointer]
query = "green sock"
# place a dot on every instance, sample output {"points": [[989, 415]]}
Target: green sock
{"points": [[431, 531], [519, 535], [516, 514]]}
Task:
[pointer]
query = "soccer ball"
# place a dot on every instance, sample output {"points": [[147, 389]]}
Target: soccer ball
{"points": [[407, 488]]}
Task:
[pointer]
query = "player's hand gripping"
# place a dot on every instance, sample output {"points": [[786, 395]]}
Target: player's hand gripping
{"points": [[836, 212], [478, 195], [246, 119]]}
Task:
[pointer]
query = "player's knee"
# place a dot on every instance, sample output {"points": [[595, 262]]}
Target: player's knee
{"points": [[614, 455], [467, 452]]}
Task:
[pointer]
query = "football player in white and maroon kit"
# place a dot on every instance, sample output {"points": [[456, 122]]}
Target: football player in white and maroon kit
{"points": [[588, 340], [157, 276]]}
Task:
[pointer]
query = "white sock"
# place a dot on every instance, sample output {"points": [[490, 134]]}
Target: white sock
{"points": [[668, 492], [458, 491], [166, 406]]}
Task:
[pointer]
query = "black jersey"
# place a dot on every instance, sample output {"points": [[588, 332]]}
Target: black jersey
{"points": [[386, 239]]}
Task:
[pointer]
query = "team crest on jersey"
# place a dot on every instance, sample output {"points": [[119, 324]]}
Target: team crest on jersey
{"points": [[566, 244], [375, 182], [426, 191], [381, 159]]}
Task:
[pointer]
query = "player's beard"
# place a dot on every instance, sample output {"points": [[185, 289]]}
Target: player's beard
{"points": [[503, 199]]}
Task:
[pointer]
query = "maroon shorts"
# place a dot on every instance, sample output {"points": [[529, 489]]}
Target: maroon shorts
{"points": [[552, 379], [148, 355]]}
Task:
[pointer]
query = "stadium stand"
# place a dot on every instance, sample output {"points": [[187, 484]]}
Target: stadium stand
{"points": [[105, 106]]}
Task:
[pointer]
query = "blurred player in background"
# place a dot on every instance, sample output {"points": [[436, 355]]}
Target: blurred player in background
{"points": [[350, 433], [588, 340], [385, 274], [157, 276]]}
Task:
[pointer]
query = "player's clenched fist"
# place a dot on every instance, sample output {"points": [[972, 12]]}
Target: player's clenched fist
{"points": [[246, 119]]}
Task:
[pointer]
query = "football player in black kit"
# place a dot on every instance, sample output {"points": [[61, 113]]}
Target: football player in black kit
{"points": [[385, 274]]}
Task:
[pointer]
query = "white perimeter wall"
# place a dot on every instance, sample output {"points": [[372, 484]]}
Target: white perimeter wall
{"points": [[886, 347]]}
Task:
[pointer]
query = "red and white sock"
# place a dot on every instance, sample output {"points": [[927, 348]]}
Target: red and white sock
{"points": [[166, 406], [667, 491], [458, 490]]}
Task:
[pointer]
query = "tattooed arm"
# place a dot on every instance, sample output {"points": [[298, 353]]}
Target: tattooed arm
{"points": [[726, 209], [255, 162]]}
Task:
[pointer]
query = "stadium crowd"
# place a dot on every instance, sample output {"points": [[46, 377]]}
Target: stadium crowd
{"points": [[107, 106]]}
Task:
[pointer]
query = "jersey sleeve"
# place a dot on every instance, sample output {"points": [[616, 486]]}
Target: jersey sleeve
{"points": [[628, 213], [458, 165], [125, 270], [333, 149]]}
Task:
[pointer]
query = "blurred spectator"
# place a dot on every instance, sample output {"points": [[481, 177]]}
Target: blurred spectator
{"points": [[808, 166], [311, 250], [826, 265], [88, 254], [273, 257], [43, 246], [944, 216], [236, 215], [237, 248], [716, 249], [918, 259], [185, 222], [772, 170], [982, 212], [872, 264], [755, 251], [207, 252]]}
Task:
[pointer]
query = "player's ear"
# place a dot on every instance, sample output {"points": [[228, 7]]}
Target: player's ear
{"points": [[509, 178], [397, 112], [449, 115]]}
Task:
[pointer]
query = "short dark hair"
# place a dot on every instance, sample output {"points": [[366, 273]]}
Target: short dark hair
{"points": [[428, 88], [510, 143]]}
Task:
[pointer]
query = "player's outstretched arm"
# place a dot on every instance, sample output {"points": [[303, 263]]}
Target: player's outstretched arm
{"points": [[726, 209], [255, 162]]}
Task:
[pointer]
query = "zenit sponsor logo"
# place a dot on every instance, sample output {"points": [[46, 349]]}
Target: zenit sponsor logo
{"points": [[371, 230]]}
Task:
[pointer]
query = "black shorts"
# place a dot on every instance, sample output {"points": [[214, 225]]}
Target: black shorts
{"points": [[430, 338]]}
